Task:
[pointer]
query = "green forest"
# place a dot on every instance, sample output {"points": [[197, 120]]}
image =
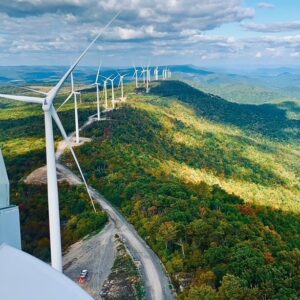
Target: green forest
{"points": [[23, 145], [212, 186]]}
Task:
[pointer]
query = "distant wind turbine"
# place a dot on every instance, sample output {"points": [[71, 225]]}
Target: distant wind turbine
{"points": [[121, 83], [113, 101], [135, 75], [105, 91], [50, 113], [73, 93], [96, 84], [156, 73], [149, 74], [143, 73]]}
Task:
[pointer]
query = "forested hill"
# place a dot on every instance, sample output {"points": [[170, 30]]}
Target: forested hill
{"points": [[217, 203], [269, 120]]}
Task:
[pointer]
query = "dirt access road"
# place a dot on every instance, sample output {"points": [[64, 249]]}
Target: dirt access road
{"points": [[156, 282], [97, 255]]}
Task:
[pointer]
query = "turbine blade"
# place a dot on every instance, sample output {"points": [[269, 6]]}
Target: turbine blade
{"points": [[72, 82], [33, 90], [53, 92], [98, 73], [23, 98], [69, 97], [63, 133]]}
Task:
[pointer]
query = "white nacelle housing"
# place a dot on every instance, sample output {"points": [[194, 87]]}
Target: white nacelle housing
{"points": [[4, 184], [9, 214], [10, 226]]}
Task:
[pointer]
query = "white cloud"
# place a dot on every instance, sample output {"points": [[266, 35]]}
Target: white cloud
{"points": [[170, 28], [265, 5], [273, 27], [295, 54]]}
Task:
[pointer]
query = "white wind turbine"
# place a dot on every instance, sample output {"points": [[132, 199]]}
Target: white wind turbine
{"points": [[50, 113], [105, 91], [148, 74], [148, 78], [164, 73], [143, 73], [73, 94], [113, 101], [96, 84], [156, 73], [121, 83], [135, 75]]}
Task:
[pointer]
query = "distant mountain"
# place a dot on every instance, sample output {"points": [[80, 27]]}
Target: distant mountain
{"points": [[241, 88], [190, 69]]}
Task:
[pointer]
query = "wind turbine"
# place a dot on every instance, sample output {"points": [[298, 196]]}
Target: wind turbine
{"points": [[156, 73], [105, 91], [121, 83], [135, 75], [148, 78], [143, 73], [164, 73], [148, 74], [113, 101], [73, 93], [50, 113], [96, 84]]}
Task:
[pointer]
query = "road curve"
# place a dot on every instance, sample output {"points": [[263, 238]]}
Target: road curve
{"points": [[157, 283]]}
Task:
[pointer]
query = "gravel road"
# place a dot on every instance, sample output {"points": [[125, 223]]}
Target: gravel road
{"points": [[156, 282], [97, 255]]}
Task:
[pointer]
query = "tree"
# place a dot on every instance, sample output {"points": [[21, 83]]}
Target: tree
{"points": [[167, 232]]}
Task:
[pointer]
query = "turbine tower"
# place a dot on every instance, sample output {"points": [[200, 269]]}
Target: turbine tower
{"points": [[113, 101], [156, 73], [105, 91], [121, 83], [135, 75], [73, 93], [47, 104], [96, 84], [149, 74], [143, 73]]}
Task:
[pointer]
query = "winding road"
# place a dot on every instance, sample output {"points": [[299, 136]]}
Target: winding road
{"points": [[157, 283]]}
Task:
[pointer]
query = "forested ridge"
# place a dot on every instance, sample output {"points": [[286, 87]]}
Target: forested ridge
{"points": [[216, 196], [213, 187], [266, 119]]}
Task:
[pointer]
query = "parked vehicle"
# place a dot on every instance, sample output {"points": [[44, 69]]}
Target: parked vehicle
{"points": [[83, 276]]}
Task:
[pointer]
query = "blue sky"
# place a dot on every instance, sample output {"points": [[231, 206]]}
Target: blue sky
{"points": [[218, 33]]}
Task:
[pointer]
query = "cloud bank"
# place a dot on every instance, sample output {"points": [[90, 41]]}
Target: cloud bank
{"points": [[170, 31]]}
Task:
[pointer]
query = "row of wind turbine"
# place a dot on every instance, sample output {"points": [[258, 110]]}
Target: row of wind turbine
{"points": [[50, 114]]}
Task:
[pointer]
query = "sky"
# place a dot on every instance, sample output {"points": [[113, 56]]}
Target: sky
{"points": [[208, 33]]}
